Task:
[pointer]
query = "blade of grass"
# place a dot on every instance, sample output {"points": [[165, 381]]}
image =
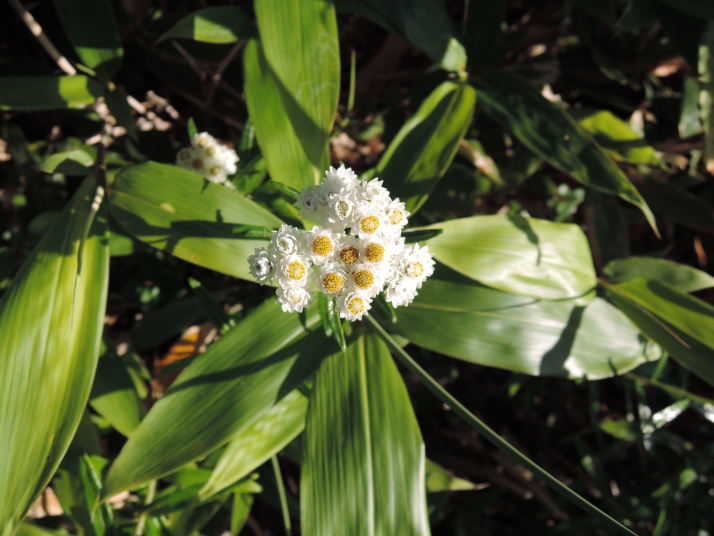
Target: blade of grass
{"points": [[283, 497], [490, 435]]}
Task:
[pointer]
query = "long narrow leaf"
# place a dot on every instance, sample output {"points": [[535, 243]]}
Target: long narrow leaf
{"points": [[51, 320], [233, 384], [363, 470]]}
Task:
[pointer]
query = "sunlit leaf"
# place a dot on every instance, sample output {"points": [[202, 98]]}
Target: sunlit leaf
{"points": [[47, 92], [50, 350], [522, 255], [257, 443], [221, 394], [363, 468], [454, 316], [284, 154], [190, 217], [301, 50], [547, 130], [97, 44], [425, 146], [680, 276], [221, 24]]}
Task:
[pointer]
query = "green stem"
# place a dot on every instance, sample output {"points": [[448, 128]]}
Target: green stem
{"points": [[282, 495], [150, 493], [489, 434]]}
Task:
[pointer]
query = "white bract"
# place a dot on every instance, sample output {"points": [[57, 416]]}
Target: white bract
{"points": [[209, 158], [354, 252]]}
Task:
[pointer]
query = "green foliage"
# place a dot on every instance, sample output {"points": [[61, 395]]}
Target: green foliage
{"points": [[149, 386]]}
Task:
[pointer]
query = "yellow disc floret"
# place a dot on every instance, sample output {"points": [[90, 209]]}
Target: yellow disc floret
{"points": [[374, 252], [210, 151], [369, 224], [396, 216], [197, 163], [215, 170], [332, 282], [342, 208], [415, 269], [296, 270], [322, 245], [349, 255], [356, 305], [364, 279]]}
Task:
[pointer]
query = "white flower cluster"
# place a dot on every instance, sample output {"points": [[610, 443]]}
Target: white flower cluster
{"points": [[209, 158], [353, 253]]}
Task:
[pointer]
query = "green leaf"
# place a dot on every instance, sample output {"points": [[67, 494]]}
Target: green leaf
{"points": [[523, 255], [680, 276], [113, 394], [229, 388], [426, 24], [678, 204], [412, 236], [70, 163], [301, 48], [221, 25], [92, 29], [681, 324], [47, 92], [427, 143], [439, 479], [690, 123], [456, 317], [257, 443], [276, 135], [363, 468], [547, 130], [617, 138], [50, 350], [190, 217]]}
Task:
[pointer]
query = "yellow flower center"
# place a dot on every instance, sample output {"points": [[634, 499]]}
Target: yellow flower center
{"points": [[322, 246], [184, 154], [332, 282], [369, 224], [396, 216], [296, 270], [374, 252], [342, 208], [415, 269], [356, 305], [210, 151], [197, 163], [202, 142], [364, 279], [215, 170], [349, 255]]}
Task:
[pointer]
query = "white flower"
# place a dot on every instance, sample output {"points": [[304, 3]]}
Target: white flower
{"points": [[374, 193], [331, 278], [293, 299], [367, 278], [287, 240], [262, 266], [293, 271], [340, 208], [311, 203], [367, 221], [339, 180], [209, 158], [375, 249], [353, 306], [396, 217], [321, 244], [417, 263], [401, 291]]}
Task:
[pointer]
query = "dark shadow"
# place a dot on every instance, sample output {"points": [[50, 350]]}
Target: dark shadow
{"points": [[552, 363], [523, 225]]}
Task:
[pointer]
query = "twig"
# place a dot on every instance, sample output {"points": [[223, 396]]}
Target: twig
{"points": [[37, 31]]}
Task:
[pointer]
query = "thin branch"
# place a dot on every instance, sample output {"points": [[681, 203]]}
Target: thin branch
{"points": [[37, 31]]}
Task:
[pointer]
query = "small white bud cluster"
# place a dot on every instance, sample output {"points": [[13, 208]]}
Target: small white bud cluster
{"points": [[353, 253], [209, 158]]}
